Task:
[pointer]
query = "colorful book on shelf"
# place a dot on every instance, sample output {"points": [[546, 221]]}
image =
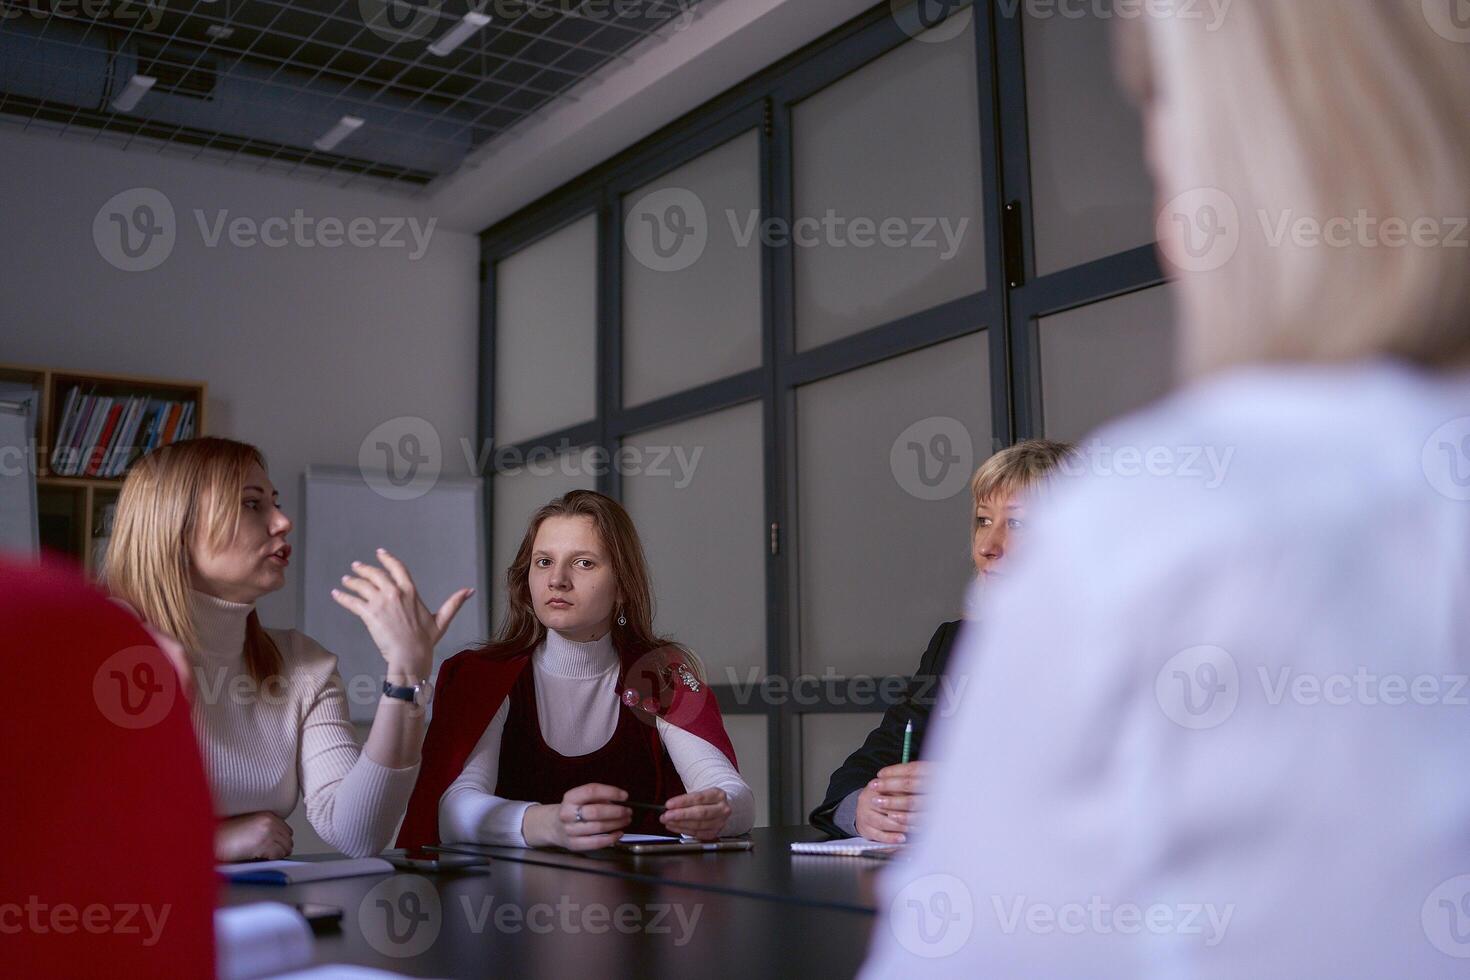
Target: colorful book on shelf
{"points": [[68, 446], [122, 452], [68, 422], [174, 410], [98, 449], [150, 427], [97, 422], [107, 446], [85, 433]]}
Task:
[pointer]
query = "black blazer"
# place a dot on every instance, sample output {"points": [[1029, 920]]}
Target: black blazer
{"points": [[884, 744]]}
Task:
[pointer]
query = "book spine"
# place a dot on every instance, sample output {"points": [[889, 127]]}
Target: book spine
{"points": [[85, 407], [124, 452], [150, 426], [99, 449], [174, 411], [63, 431], [109, 450], [100, 407]]}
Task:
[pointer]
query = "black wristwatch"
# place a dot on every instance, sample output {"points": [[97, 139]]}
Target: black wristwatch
{"points": [[419, 694]]}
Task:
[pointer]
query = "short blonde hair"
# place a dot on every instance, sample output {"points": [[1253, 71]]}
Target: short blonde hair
{"points": [[1016, 469], [167, 497], [1325, 109]]}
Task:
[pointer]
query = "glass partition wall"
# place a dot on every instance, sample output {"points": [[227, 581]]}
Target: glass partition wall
{"points": [[786, 329]]}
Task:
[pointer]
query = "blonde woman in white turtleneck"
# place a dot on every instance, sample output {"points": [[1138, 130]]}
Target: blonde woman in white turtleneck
{"points": [[199, 537]]}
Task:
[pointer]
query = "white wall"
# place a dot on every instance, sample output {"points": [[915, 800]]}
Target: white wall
{"points": [[305, 349]]}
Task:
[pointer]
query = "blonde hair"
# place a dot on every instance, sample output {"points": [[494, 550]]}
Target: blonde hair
{"points": [[1327, 109], [1015, 469], [167, 497]]}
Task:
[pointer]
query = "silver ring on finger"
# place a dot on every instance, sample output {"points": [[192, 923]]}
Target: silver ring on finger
{"points": [[579, 815]]}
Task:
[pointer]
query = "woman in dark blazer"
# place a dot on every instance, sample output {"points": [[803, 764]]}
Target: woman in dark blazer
{"points": [[874, 794]]}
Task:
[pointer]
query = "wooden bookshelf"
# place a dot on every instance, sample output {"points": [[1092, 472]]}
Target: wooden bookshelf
{"points": [[71, 507]]}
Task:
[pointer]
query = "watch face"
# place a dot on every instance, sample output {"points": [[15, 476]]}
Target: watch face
{"points": [[423, 693]]}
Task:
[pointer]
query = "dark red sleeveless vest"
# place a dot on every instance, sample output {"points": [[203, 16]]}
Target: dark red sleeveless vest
{"points": [[633, 759]]}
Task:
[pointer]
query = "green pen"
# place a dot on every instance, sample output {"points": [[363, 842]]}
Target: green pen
{"points": [[908, 741]]}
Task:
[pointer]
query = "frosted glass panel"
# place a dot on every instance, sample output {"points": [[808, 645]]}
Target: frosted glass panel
{"points": [[517, 496], [826, 740], [1105, 360], [748, 735], [692, 274], [546, 334], [884, 456], [1090, 186], [888, 181], [696, 491]]}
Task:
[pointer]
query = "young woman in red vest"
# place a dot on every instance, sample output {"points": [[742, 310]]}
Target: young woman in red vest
{"points": [[577, 707]]}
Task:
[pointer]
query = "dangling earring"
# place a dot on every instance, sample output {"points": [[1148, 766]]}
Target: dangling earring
{"points": [[622, 619]]}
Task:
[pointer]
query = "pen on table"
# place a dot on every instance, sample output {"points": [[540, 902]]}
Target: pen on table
{"points": [[908, 741]]}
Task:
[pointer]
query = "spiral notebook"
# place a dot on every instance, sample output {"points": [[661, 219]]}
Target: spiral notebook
{"points": [[847, 847]]}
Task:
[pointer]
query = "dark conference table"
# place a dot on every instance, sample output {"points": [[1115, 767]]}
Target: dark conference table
{"points": [[762, 912]]}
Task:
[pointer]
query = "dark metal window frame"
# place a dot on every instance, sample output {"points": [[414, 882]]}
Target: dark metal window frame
{"points": [[1008, 308]]}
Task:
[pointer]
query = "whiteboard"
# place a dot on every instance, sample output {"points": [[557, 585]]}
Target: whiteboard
{"points": [[18, 521], [439, 536]]}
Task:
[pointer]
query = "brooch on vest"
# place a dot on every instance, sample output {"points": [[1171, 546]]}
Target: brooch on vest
{"points": [[667, 673]]}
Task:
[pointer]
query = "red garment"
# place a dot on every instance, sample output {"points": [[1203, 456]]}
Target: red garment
{"points": [[471, 687], [109, 864]]}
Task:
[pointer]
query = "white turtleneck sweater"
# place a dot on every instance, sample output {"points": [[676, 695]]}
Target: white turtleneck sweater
{"points": [[264, 748], [577, 704]]}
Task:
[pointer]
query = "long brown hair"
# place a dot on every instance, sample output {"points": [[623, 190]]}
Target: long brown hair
{"points": [[521, 632], [168, 495]]}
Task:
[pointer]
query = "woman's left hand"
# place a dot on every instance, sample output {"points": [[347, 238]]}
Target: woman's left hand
{"points": [[699, 814], [388, 604]]}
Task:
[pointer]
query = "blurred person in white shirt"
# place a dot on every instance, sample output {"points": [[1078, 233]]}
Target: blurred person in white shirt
{"points": [[1219, 729]]}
